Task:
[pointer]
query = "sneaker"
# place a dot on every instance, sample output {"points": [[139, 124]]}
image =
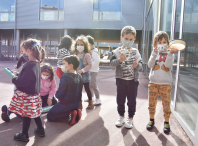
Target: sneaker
{"points": [[21, 137], [166, 127], [5, 117], [150, 125], [120, 121], [78, 116], [72, 117], [98, 102], [129, 123], [39, 132]]}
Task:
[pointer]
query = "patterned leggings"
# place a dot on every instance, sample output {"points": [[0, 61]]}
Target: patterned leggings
{"points": [[154, 91]]}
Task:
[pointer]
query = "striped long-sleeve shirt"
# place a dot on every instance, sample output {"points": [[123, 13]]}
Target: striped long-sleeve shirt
{"points": [[61, 54], [86, 61]]}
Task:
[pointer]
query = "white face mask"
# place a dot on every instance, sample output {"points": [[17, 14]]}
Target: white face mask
{"points": [[127, 43], [80, 48], [162, 47], [44, 77], [63, 69]]}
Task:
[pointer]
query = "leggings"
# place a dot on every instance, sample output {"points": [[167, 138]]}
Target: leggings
{"points": [[88, 91], [26, 124]]}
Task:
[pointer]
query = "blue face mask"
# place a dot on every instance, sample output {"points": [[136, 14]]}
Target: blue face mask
{"points": [[25, 57]]}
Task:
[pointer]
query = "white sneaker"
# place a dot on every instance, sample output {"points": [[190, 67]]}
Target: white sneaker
{"points": [[129, 123], [120, 121], [87, 100], [98, 102]]}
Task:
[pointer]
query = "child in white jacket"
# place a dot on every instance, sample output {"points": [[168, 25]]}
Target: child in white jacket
{"points": [[95, 58]]}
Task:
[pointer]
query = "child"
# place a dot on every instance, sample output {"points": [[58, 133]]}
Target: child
{"points": [[63, 51], [48, 85], [82, 51], [160, 77], [95, 58], [21, 61], [128, 62], [69, 94], [26, 101]]}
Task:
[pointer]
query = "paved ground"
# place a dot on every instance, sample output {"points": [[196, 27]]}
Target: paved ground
{"points": [[97, 126]]}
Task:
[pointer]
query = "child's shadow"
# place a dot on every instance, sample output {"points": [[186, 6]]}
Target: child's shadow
{"points": [[129, 141]]}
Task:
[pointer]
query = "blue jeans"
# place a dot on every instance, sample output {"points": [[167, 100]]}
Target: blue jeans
{"points": [[60, 111], [126, 89]]}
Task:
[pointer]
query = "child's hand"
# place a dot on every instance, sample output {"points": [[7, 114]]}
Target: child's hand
{"points": [[122, 57], [173, 50], [49, 101], [135, 63], [79, 71], [156, 50], [14, 72]]}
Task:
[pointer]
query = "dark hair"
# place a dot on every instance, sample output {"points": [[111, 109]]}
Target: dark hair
{"points": [[37, 51], [159, 36], [90, 39], [72, 59], [66, 42], [20, 61], [85, 42], [49, 69]]}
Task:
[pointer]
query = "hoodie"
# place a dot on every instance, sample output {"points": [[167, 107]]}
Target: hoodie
{"points": [[95, 58]]}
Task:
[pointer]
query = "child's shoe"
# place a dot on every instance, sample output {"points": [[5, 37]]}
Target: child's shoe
{"points": [[72, 117], [98, 102], [129, 123], [120, 121], [90, 105], [80, 106], [87, 100], [5, 117], [150, 125], [166, 127], [39, 132], [79, 114], [21, 137]]}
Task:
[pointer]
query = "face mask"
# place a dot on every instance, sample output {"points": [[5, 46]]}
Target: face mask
{"points": [[25, 57], [44, 77], [63, 69], [80, 48], [162, 47], [127, 43]]}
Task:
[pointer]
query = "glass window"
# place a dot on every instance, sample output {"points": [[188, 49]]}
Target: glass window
{"points": [[107, 10], [187, 101], [7, 10], [52, 10]]}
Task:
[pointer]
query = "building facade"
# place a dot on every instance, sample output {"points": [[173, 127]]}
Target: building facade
{"points": [[49, 20], [179, 18]]}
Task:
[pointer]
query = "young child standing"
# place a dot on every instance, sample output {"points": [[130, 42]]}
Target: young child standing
{"points": [[95, 58], [64, 46], [48, 85], [69, 94], [160, 62], [128, 62], [82, 51], [26, 101]]}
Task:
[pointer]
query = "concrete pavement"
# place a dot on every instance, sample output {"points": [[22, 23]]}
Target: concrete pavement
{"points": [[97, 126]]}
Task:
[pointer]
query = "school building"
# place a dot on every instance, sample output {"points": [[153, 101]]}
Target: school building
{"points": [[179, 18], [49, 20]]}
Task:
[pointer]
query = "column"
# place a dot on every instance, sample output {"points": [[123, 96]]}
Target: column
{"points": [[65, 32], [47, 45], [17, 43], [1, 47]]}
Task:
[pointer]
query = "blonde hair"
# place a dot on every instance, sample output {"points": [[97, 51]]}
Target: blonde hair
{"points": [[159, 36], [85, 42], [128, 29]]}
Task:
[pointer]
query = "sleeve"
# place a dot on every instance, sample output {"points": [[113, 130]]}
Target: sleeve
{"points": [[114, 61], [87, 59], [139, 59], [169, 60], [24, 78], [151, 62], [63, 86], [52, 89], [96, 59]]}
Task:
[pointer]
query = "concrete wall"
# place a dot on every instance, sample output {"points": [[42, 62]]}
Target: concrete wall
{"points": [[77, 15]]}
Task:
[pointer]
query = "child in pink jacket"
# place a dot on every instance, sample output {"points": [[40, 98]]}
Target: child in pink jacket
{"points": [[48, 86]]}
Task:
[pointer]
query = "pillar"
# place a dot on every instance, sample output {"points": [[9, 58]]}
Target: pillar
{"points": [[17, 43], [65, 32]]}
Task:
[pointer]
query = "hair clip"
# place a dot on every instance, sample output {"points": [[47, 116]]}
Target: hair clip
{"points": [[35, 45], [52, 68]]}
